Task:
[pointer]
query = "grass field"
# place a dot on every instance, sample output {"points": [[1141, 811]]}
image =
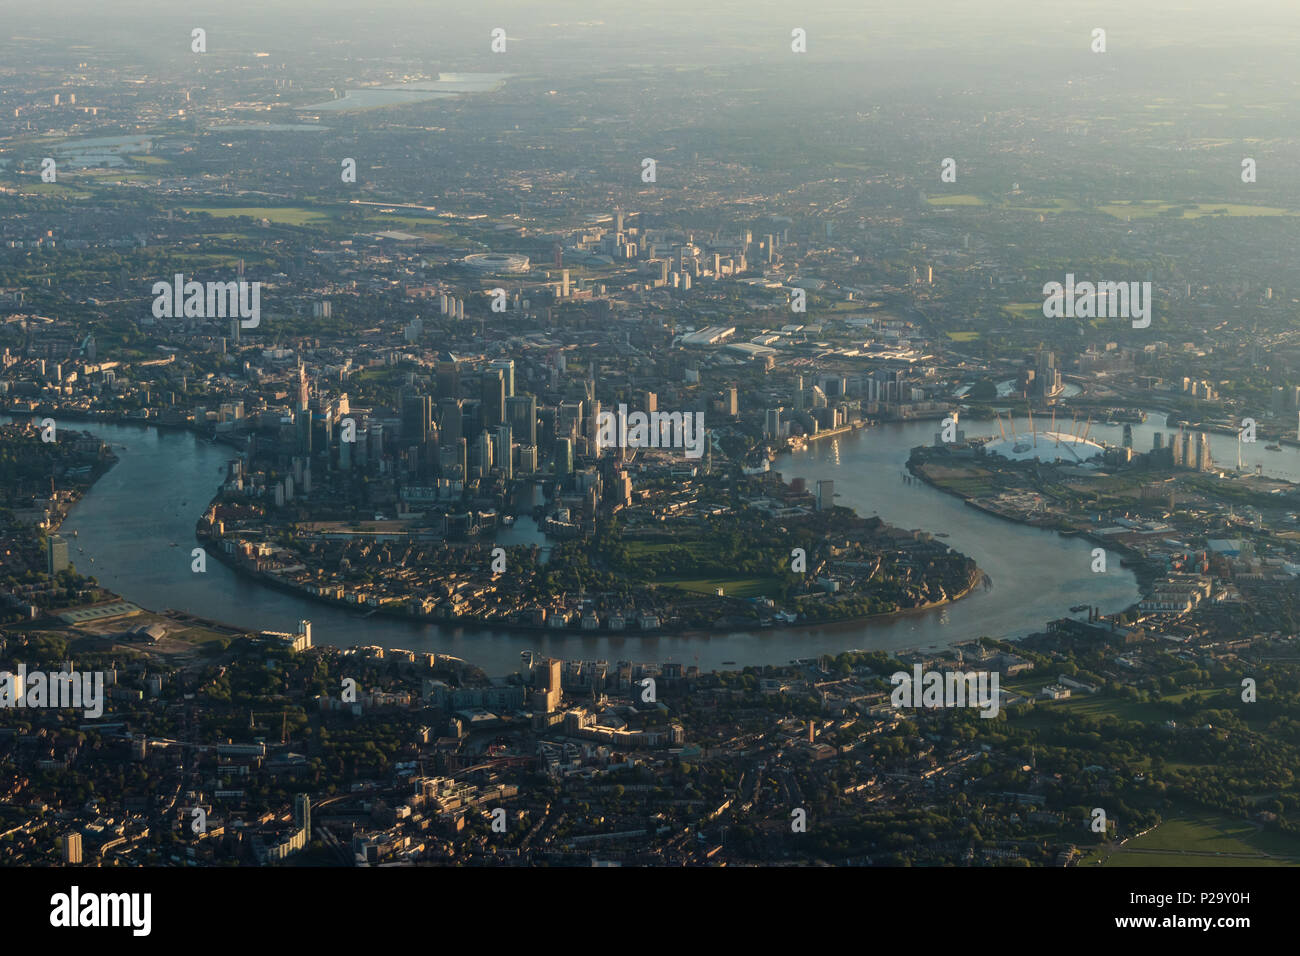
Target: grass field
{"points": [[970, 487], [286, 215], [1097, 706], [58, 190], [1120, 209], [1145, 208], [1198, 838], [960, 199], [732, 587], [1122, 859], [1025, 310], [1052, 206]]}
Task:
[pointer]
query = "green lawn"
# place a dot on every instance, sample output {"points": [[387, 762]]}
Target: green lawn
{"points": [[732, 587], [1145, 208], [1122, 859], [1025, 310], [286, 215], [1096, 706], [1199, 835], [971, 487], [960, 199], [54, 189]]}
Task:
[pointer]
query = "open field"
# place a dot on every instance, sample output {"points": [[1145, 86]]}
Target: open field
{"points": [[732, 587], [1145, 208], [287, 215], [1203, 839], [1118, 208]]}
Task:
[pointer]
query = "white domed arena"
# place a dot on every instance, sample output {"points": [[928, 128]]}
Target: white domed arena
{"points": [[1043, 446], [497, 263]]}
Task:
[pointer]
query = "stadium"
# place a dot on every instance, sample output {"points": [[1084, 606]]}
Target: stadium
{"points": [[501, 263]]}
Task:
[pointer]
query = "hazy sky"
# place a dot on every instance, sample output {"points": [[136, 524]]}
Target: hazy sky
{"points": [[837, 29]]}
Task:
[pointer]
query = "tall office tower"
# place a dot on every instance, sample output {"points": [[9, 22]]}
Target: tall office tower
{"points": [[618, 220], [450, 420], [521, 413], [568, 421], [564, 284], [429, 453], [56, 554], [1176, 444], [1158, 443], [345, 455], [825, 494], [494, 397], [302, 421], [302, 813], [621, 488], [504, 457], [448, 383], [770, 247], [302, 403], [1204, 461], [1047, 377], [452, 461], [557, 255], [527, 459], [592, 426], [507, 367], [773, 427], [72, 848], [481, 462], [417, 416], [1127, 441], [471, 411], [564, 456], [547, 679]]}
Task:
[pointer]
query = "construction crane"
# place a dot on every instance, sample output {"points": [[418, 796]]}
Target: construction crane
{"points": [[284, 722]]}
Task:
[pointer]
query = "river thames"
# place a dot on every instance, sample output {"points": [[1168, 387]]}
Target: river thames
{"points": [[137, 523]]}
